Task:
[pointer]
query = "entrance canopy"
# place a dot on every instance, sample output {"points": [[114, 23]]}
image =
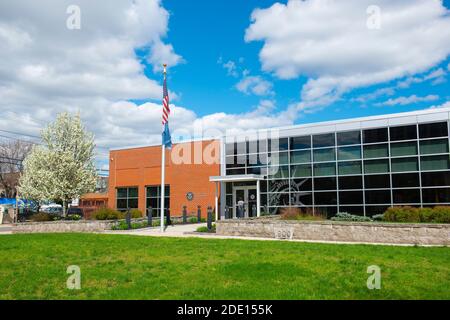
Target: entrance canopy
{"points": [[239, 178], [236, 178]]}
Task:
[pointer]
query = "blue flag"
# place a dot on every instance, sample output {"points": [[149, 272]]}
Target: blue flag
{"points": [[166, 138]]}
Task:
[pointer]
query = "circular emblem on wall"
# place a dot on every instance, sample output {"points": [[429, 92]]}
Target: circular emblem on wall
{"points": [[252, 197], [190, 196]]}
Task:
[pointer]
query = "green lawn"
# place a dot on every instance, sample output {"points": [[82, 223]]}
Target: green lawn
{"points": [[128, 267]]}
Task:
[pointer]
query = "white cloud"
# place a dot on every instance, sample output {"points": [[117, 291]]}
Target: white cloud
{"points": [[256, 85], [328, 42], [230, 66], [408, 100]]}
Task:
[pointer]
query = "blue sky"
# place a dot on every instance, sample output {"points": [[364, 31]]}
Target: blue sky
{"points": [[203, 32]]}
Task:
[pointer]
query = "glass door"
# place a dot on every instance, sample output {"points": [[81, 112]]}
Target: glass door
{"points": [[244, 199]]}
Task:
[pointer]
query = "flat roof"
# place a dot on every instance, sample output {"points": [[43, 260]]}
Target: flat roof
{"points": [[235, 178], [429, 114]]}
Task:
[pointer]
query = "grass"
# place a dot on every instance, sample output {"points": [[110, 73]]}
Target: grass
{"points": [[129, 267]]}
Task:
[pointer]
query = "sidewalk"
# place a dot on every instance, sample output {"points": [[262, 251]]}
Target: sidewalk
{"points": [[5, 229]]}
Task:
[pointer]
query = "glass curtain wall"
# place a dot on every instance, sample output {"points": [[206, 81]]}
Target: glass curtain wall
{"points": [[360, 172]]}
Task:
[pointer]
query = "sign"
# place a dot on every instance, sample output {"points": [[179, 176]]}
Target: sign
{"points": [[189, 196]]}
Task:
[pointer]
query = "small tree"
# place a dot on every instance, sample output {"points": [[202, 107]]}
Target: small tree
{"points": [[63, 167]]}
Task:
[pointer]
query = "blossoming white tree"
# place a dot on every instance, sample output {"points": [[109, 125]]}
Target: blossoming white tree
{"points": [[63, 167]]}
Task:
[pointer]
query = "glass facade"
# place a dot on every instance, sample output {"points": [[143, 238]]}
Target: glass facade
{"points": [[127, 198], [357, 171]]}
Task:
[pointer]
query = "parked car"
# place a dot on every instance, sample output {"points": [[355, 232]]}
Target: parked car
{"points": [[75, 211]]}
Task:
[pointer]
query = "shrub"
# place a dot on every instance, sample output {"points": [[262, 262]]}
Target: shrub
{"points": [[74, 217], [298, 214], [136, 213], [107, 214], [41, 216], [192, 220], [205, 229], [402, 214], [344, 216], [440, 214], [122, 225]]}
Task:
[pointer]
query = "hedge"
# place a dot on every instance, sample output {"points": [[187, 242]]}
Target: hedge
{"points": [[439, 214]]}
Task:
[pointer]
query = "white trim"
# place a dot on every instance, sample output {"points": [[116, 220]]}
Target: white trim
{"points": [[236, 178]]}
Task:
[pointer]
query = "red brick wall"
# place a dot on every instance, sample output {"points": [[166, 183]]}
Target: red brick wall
{"points": [[141, 167]]}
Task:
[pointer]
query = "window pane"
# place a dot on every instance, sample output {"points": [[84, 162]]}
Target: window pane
{"points": [[301, 156], [403, 133], [325, 169], [349, 153], [325, 184], [354, 182], [301, 199], [278, 144], [301, 171], [241, 147], [376, 166], [278, 186], [434, 146], [404, 180], [301, 142], [122, 193], [350, 197], [230, 148], [133, 203], [301, 185], [355, 210], [376, 151], [373, 210], [152, 191], [278, 199], [279, 172], [436, 195], [324, 155], [431, 130], [153, 202], [406, 196], [328, 211], [323, 140], [430, 179], [235, 172], [325, 198], [378, 197], [377, 181], [350, 167], [404, 164], [121, 204], [346, 138], [404, 149], [133, 193], [434, 163], [375, 135]]}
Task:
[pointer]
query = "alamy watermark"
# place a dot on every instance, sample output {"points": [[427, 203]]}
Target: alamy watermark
{"points": [[374, 280], [74, 280], [373, 21], [73, 21]]}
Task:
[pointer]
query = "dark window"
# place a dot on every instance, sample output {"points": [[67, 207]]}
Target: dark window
{"points": [[406, 196], [378, 197], [349, 167], [352, 182], [376, 151], [403, 133], [301, 185], [375, 135], [355, 210], [154, 199], [350, 137], [127, 198], [325, 184], [351, 197], [278, 185], [323, 140], [405, 164], [255, 170], [435, 163], [405, 180], [377, 181], [230, 149], [431, 130], [301, 199], [325, 198], [232, 172], [278, 199], [301, 142], [430, 179], [373, 210], [436, 195], [241, 147], [325, 169]]}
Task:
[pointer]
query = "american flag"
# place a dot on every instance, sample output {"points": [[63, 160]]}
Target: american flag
{"points": [[166, 109]]}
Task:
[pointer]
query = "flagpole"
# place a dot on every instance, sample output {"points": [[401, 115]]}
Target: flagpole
{"points": [[163, 171]]}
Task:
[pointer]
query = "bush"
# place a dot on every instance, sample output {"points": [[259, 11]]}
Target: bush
{"points": [[439, 214], [136, 213], [298, 214], [378, 217], [74, 217], [205, 229], [41, 216], [107, 214], [344, 216]]}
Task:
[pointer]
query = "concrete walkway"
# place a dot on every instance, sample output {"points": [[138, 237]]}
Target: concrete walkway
{"points": [[5, 229]]}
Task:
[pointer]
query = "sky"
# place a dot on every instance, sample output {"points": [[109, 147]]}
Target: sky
{"points": [[233, 65]]}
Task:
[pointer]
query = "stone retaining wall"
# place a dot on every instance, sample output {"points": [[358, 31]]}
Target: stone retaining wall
{"points": [[63, 226], [368, 232]]}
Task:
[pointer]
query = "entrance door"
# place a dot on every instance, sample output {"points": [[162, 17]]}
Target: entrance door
{"points": [[244, 198]]}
